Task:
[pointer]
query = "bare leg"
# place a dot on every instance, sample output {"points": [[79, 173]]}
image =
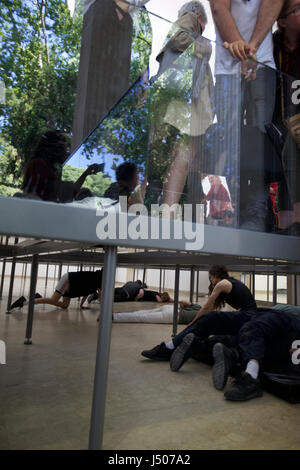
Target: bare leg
{"points": [[54, 300], [175, 180], [285, 219]]}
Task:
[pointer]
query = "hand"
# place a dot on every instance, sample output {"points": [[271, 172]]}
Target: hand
{"points": [[238, 49], [248, 69], [93, 169], [183, 303]]}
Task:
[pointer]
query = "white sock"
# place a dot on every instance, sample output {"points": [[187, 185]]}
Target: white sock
{"points": [[170, 345], [252, 369]]}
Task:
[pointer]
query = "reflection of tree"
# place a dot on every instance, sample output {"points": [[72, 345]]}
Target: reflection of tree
{"points": [[96, 183], [138, 130], [39, 63]]}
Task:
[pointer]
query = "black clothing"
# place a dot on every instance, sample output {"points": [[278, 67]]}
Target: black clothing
{"points": [[272, 330], [120, 295], [150, 296], [127, 293], [83, 283], [216, 323], [240, 296], [132, 288], [116, 190]]}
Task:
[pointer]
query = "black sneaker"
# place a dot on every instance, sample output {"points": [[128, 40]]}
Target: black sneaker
{"points": [[244, 388], [92, 297], [158, 353], [225, 360], [18, 303], [182, 353], [37, 296]]}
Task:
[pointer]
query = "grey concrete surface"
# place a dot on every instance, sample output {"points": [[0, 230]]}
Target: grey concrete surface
{"points": [[46, 390]]}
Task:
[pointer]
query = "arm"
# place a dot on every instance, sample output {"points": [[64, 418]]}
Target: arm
{"points": [[222, 287], [268, 13], [82, 302], [91, 170], [140, 295], [179, 42], [227, 28]]}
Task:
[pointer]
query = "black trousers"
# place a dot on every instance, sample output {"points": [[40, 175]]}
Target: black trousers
{"points": [[268, 338], [216, 323], [263, 335]]}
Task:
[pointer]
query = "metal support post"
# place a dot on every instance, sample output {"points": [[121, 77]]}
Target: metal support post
{"points": [[102, 356], [274, 288], [192, 284], [33, 280], [12, 280], [176, 302]]}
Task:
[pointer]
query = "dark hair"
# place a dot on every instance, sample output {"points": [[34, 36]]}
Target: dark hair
{"points": [[52, 144], [52, 147], [220, 271], [126, 171], [166, 296], [284, 9]]}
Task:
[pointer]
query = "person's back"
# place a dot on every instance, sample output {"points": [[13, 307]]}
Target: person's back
{"points": [[150, 296], [240, 296], [83, 283], [132, 288]]}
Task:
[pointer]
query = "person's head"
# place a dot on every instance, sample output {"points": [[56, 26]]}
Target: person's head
{"points": [[139, 282], [165, 297], [289, 17], [216, 273], [53, 146], [213, 179], [197, 8], [127, 174]]}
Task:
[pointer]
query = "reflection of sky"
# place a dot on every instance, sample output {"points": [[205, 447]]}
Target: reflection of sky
{"points": [[78, 160]]}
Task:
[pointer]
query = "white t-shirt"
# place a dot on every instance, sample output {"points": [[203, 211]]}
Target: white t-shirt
{"points": [[245, 14]]}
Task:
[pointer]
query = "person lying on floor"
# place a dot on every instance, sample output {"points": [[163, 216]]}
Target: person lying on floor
{"points": [[263, 342], [163, 314], [154, 296], [223, 288], [71, 285], [131, 291]]}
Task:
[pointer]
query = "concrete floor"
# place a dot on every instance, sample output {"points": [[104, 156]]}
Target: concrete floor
{"points": [[46, 390]]}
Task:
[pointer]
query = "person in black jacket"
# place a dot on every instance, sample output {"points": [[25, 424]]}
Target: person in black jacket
{"points": [[71, 285]]}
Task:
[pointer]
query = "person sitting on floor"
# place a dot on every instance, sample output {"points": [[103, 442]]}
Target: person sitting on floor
{"points": [[71, 285], [43, 172], [208, 322]]}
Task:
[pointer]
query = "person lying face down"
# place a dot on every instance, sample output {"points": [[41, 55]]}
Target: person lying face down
{"points": [[154, 296], [71, 285]]}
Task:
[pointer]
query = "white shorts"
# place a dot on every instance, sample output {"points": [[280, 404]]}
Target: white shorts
{"points": [[63, 284]]}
